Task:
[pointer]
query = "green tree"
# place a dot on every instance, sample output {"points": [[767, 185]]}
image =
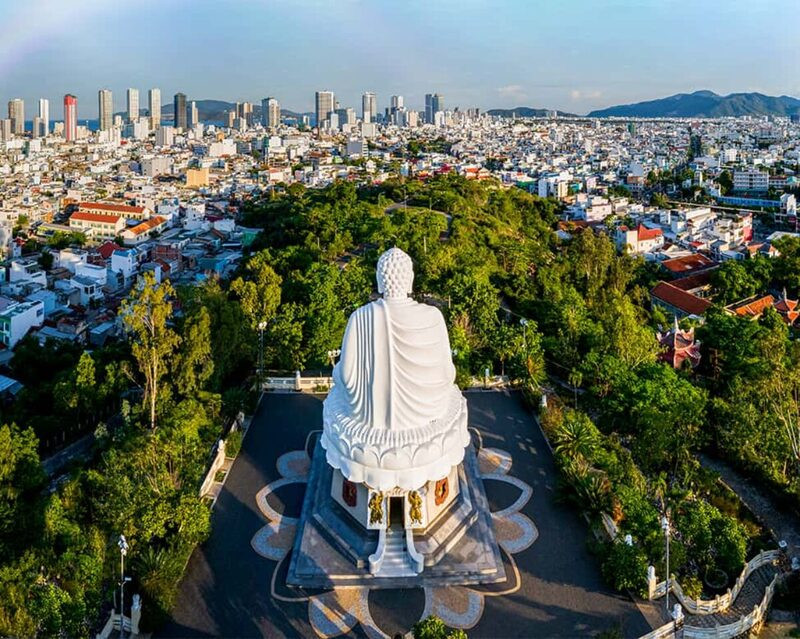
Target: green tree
{"points": [[625, 567], [259, 289], [432, 627], [733, 282], [195, 362], [577, 439], [21, 476], [725, 181], [146, 313], [659, 200]]}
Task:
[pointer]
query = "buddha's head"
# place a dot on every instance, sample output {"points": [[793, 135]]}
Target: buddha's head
{"points": [[395, 274]]}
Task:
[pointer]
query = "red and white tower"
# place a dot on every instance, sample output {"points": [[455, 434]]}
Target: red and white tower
{"points": [[70, 117]]}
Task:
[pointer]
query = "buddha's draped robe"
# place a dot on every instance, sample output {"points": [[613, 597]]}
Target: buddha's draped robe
{"points": [[395, 368]]}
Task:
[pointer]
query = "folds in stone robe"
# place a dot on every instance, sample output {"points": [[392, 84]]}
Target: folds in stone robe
{"points": [[395, 368]]}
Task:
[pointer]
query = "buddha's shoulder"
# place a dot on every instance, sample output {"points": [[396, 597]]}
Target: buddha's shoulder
{"points": [[428, 311]]}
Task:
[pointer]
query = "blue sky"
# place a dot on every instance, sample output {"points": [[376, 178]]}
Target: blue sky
{"points": [[574, 55]]}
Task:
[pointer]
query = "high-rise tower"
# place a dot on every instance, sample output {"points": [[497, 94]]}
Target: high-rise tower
{"points": [[369, 106], [192, 118], [434, 102], [105, 108], [133, 105], [324, 102], [44, 117], [70, 117], [16, 113], [270, 112], [179, 110], [154, 105]]}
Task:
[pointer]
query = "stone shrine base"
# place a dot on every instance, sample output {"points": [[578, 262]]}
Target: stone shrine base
{"points": [[332, 549]]}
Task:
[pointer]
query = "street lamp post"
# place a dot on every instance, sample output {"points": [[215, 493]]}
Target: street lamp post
{"points": [[333, 354], [665, 527], [261, 328], [123, 550], [524, 323]]}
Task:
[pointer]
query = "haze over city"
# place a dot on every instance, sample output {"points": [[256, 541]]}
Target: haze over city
{"points": [[575, 56]]}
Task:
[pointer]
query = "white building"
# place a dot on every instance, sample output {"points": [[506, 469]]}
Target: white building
{"points": [[369, 106], [133, 105], [156, 165], [154, 104], [18, 319], [69, 258], [125, 261], [44, 118], [165, 136], [26, 270], [750, 180]]}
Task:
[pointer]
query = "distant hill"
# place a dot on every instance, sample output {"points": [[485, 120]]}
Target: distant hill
{"points": [[215, 110], [528, 112], [704, 104]]}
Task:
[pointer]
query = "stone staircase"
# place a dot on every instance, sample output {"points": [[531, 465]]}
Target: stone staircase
{"points": [[396, 562]]}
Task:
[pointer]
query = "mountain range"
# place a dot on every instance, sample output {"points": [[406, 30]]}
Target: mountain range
{"points": [[705, 104], [700, 104]]}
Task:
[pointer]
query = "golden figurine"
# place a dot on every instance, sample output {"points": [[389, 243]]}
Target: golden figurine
{"points": [[376, 508], [416, 507]]}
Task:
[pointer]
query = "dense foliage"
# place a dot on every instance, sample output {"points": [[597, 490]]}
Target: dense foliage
{"points": [[59, 564]]}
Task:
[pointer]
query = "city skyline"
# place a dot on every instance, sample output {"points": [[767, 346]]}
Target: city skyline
{"points": [[574, 57]]}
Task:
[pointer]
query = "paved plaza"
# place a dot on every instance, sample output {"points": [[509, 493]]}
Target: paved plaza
{"points": [[234, 585]]}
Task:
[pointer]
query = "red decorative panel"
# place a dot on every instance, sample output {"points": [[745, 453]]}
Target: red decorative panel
{"points": [[441, 491], [349, 493]]}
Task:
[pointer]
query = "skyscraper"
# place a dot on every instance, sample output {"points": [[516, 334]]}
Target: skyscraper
{"points": [[433, 104], [270, 112], [246, 112], [191, 115], [369, 107], [133, 105], [71, 116], [397, 102], [44, 117], [105, 109], [16, 113], [154, 105], [324, 104], [5, 129], [179, 110]]}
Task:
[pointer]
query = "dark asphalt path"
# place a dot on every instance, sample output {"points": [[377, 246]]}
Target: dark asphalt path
{"points": [[225, 592]]}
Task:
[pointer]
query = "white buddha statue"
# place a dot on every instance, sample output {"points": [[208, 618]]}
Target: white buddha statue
{"points": [[395, 417]]}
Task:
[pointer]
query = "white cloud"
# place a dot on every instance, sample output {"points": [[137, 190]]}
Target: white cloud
{"points": [[512, 91], [577, 94]]}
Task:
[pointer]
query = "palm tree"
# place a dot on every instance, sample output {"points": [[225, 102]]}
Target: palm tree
{"points": [[576, 439], [575, 379]]}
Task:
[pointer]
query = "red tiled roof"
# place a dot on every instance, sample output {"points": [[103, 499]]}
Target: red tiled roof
{"points": [[145, 226], [108, 206], [755, 307], [643, 233], [683, 301], [107, 248], [95, 217], [687, 263], [696, 280], [784, 305]]}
